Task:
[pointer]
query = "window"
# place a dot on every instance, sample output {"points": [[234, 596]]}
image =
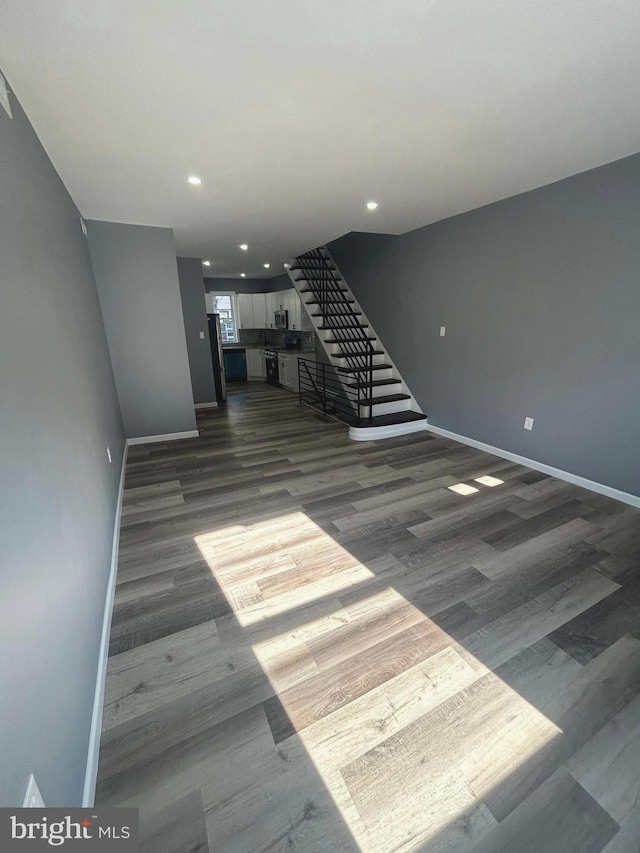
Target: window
{"points": [[224, 304]]}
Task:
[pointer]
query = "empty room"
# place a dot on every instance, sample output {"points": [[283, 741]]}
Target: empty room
{"points": [[320, 421]]}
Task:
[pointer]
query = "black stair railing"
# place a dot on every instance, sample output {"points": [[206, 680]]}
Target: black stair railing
{"points": [[320, 388], [349, 334]]}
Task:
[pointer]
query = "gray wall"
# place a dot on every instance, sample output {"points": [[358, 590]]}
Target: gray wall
{"points": [[540, 297], [194, 311], [248, 285], [58, 413], [137, 280], [238, 285], [280, 282]]}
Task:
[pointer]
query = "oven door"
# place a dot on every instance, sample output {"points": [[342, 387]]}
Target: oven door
{"points": [[273, 372]]}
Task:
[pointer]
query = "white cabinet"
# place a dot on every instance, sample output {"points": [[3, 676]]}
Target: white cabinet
{"points": [[252, 310], [264, 306], [271, 306], [289, 307], [295, 369], [298, 318], [244, 302], [296, 312], [256, 368], [285, 368], [260, 310]]}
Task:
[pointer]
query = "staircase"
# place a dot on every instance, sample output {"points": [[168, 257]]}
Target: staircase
{"points": [[361, 386]]}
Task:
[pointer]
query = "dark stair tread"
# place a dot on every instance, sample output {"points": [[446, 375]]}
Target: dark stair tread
{"points": [[316, 289], [319, 279], [331, 302], [356, 354], [393, 418], [315, 266], [318, 273], [352, 340], [349, 326], [363, 369], [375, 384], [387, 398], [337, 313]]}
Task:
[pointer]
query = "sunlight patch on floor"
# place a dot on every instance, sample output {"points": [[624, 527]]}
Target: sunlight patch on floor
{"points": [[463, 489], [487, 480], [280, 558], [407, 739]]}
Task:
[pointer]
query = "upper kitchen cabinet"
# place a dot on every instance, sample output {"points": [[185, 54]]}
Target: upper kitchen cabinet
{"points": [[272, 307], [260, 311], [246, 319], [298, 318]]}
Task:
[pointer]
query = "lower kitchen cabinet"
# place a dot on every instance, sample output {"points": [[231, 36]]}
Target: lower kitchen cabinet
{"points": [[255, 364], [284, 366]]}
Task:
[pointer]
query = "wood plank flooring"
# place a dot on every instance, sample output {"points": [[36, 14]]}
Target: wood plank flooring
{"points": [[317, 645]]}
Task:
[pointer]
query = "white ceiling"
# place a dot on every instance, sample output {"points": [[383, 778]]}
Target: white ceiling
{"points": [[295, 113]]}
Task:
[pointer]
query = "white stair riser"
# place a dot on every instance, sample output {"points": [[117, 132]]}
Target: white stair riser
{"points": [[343, 362], [377, 375], [389, 408], [384, 390]]}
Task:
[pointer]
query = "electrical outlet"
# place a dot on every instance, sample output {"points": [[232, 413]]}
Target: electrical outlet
{"points": [[33, 797], [528, 423], [443, 330], [109, 454]]}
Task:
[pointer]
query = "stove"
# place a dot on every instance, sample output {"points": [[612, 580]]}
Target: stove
{"points": [[271, 364]]}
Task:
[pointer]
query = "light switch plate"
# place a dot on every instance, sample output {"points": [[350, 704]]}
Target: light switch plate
{"points": [[202, 335], [528, 423], [443, 330]]}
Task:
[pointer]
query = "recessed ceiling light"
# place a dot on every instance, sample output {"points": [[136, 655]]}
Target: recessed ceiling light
{"points": [[242, 275], [206, 263], [243, 246], [371, 205], [194, 179], [287, 266], [266, 266]]}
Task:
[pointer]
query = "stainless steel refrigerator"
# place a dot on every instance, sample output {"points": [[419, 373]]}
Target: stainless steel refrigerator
{"points": [[217, 356]]}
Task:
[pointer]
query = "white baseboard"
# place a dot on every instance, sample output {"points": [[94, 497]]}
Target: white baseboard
{"points": [[206, 406], [91, 774], [167, 436], [375, 433], [575, 479]]}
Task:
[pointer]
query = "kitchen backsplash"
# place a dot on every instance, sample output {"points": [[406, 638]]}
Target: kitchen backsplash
{"points": [[275, 338]]}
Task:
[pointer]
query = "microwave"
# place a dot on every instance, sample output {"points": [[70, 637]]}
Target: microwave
{"points": [[282, 319]]}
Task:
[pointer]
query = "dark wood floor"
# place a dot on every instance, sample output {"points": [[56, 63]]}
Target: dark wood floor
{"points": [[317, 645]]}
